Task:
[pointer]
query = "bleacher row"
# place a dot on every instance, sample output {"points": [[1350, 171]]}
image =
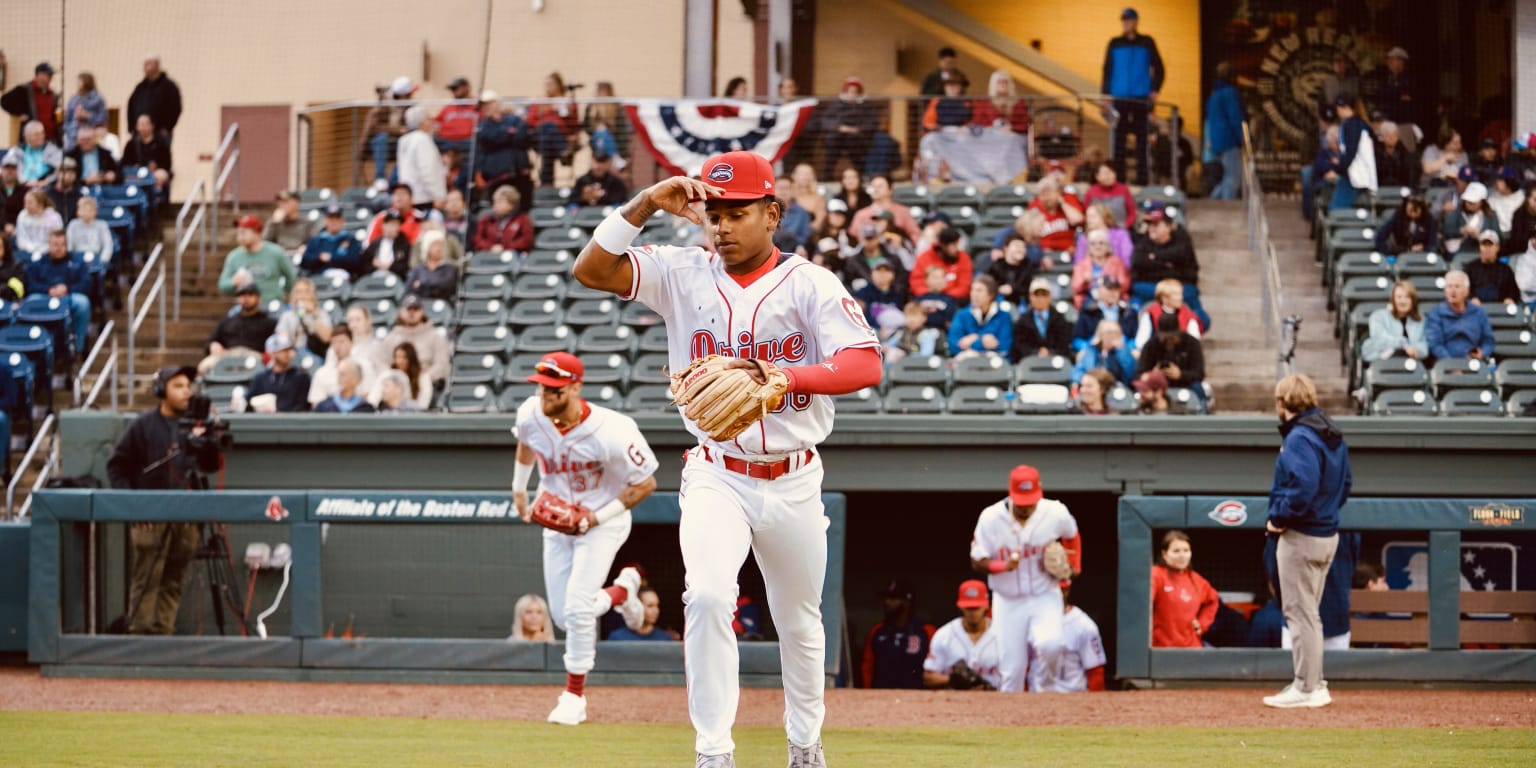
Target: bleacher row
{"points": [[1359, 281]]}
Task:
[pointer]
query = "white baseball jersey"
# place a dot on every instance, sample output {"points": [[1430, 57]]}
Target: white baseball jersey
{"points": [[795, 314], [591, 464], [951, 644], [998, 535], [1084, 651]]}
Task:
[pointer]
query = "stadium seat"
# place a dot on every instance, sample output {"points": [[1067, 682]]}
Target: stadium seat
{"points": [[959, 194], [1522, 403], [538, 287], [1472, 402], [965, 218], [638, 315], [583, 314], [1045, 370], [233, 369], [469, 368], [1515, 376], [650, 369], [998, 217], [664, 235], [486, 287], [548, 262], [560, 239], [866, 400], [1361, 290], [607, 396], [7, 312], [1412, 263], [485, 340], [649, 399], [19, 367], [547, 196], [1388, 198], [529, 313], [654, 339], [1453, 373], [492, 263], [539, 340], [547, 216], [1182, 401], [1508, 316], [1002, 195], [590, 216], [1394, 373], [575, 291], [980, 400], [1361, 264], [608, 339], [439, 311], [912, 195], [1514, 344], [53, 314], [378, 286], [320, 195], [918, 370], [915, 398], [1404, 402], [470, 398], [1431, 288], [989, 371], [332, 286], [1041, 398], [605, 369], [490, 312], [1122, 399], [515, 393]]}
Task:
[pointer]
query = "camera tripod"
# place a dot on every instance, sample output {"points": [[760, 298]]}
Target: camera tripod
{"points": [[219, 570]]}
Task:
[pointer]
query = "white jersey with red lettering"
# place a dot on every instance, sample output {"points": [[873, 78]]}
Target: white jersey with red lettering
{"points": [[952, 643], [999, 535], [796, 314], [1083, 650], [591, 464]]}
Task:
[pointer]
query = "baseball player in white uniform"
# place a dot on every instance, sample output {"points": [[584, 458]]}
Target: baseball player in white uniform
{"points": [[596, 458], [1082, 658], [1010, 538], [968, 638], [762, 489]]}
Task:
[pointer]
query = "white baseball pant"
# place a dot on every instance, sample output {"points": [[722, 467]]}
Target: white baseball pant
{"points": [[1028, 627], [782, 521], [574, 570]]}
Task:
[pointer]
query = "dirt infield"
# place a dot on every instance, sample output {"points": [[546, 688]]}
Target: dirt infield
{"points": [[26, 689]]}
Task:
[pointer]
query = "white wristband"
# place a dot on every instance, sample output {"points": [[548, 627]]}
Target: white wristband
{"points": [[615, 233], [609, 511], [521, 474]]}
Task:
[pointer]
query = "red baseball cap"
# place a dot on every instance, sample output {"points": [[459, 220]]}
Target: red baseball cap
{"points": [[743, 175], [557, 369], [973, 594], [1024, 485], [248, 222]]}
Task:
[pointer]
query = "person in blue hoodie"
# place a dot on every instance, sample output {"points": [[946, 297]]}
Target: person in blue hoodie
{"points": [[1224, 128], [985, 327], [1312, 482], [1351, 129], [333, 247], [1133, 74]]}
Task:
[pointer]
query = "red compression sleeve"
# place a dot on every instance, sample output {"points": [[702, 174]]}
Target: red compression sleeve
{"points": [[847, 371], [1096, 679], [1074, 547], [998, 566]]}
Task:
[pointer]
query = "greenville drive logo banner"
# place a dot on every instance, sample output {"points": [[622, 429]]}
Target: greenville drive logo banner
{"points": [[682, 134]]}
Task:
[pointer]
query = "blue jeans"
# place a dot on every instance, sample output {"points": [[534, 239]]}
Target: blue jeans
{"points": [[80, 317], [1308, 194], [380, 145], [1231, 175]]}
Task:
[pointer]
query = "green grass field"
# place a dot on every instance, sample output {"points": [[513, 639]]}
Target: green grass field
{"points": [[114, 739]]}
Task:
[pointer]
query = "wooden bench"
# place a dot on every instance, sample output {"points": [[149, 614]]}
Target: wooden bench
{"points": [[1519, 629]]}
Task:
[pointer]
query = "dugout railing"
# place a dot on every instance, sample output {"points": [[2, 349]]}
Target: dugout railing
{"points": [[63, 581], [1439, 613]]}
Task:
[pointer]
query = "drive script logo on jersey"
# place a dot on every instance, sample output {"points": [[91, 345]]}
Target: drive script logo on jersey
{"points": [[790, 349], [722, 173], [1230, 513]]}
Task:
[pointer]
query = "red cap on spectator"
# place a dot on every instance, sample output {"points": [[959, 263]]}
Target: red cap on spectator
{"points": [[743, 175], [1024, 485], [973, 594], [249, 222], [851, 80], [557, 369]]}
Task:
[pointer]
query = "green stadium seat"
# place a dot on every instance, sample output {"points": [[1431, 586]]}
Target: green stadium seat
{"points": [[957, 195], [1522, 403], [1472, 402], [915, 399], [919, 370], [1414, 263], [653, 339], [1054, 369], [637, 315], [378, 286], [912, 195], [549, 196], [487, 312], [233, 369], [986, 371], [1452, 373], [540, 287], [548, 262], [483, 286], [492, 263], [605, 369], [1404, 402], [531, 312], [1008, 196], [475, 369], [866, 400], [583, 314], [486, 340], [538, 340], [652, 398], [560, 239], [546, 217], [470, 398], [980, 400], [607, 395], [591, 216], [1515, 376], [608, 339], [650, 369]]}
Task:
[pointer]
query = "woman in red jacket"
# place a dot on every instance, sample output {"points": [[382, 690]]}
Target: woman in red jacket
{"points": [[1183, 602]]}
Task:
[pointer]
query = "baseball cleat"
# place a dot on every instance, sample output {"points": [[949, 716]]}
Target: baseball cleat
{"points": [[569, 710], [631, 609], [806, 757], [715, 761]]}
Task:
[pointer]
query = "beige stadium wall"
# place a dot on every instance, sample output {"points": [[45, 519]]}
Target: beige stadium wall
{"points": [[302, 53]]}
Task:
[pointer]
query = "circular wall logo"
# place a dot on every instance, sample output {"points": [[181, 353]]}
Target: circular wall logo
{"points": [[1292, 75], [1231, 513]]}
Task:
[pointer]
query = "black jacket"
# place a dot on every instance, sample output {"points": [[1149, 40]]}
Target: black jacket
{"points": [[290, 386], [104, 163], [401, 265], [1027, 340], [160, 98], [1091, 314], [154, 152], [1186, 354], [1151, 262], [238, 330], [65, 201], [14, 200], [147, 441], [1491, 283], [21, 101]]}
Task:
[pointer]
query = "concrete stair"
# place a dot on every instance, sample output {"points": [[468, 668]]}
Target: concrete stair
{"points": [[1303, 295]]}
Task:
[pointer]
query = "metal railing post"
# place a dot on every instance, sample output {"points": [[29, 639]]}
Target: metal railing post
{"points": [[116, 404], [1175, 129]]}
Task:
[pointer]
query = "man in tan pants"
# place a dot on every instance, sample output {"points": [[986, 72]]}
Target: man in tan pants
{"points": [[1312, 482]]}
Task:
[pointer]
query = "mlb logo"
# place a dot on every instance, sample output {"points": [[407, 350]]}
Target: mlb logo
{"points": [[1486, 566]]}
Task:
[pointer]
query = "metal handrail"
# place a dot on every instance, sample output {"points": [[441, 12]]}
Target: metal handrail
{"points": [[104, 336], [197, 200], [1263, 249], [26, 461], [226, 175], [137, 313], [110, 365]]}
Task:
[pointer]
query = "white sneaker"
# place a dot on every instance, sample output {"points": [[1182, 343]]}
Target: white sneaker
{"points": [[569, 710], [631, 609], [1320, 697], [806, 757], [1292, 697], [715, 761]]}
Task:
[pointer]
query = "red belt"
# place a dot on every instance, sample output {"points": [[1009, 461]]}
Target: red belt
{"points": [[760, 470]]}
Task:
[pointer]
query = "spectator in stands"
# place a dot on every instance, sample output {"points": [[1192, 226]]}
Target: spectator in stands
{"points": [[348, 398], [531, 622], [1107, 304], [1324, 170], [955, 262], [1395, 165], [828, 255], [1461, 228], [1063, 215], [38, 219], [848, 126], [418, 161], [851, 190], [1524, 265], [896, 646], [85, 107], [1506, 198], [157, 96], [1353, 133], [288, 384], [933, 82], [881, 202], [1409, 228], [87, 233], [66, 190], [97, 166], [1166, 252], [1486, 163], [501, 154], [304, 322], [457, 223], [834, 225], [1177, 355], [1151, 392], [431, 344], [1183, 603], [1100, 264], [1224, 132], [873, 246], [257, 261], [391, 394], [1100, 218], [964, 653], [66, 278], [1394, 93], [386, 124], [882, 292], [36, 157], [418, 382], [1522, 224], [506, 227], [333, 247], [288, 227], [599, 186], [607, 127], [736, 88], [1093, 393], [1107, 349], [1014, 271], [148, 149], [35, 101], [242, 332], [1133, 76], [934, 223], [1002, 108], [403, 202], [390, 252], [649, 628], [1397, 330], [1040, 329], [326, 380], [13, 192], [939, 306], [1108, 190], [1443, 160], [553, 123], [434, 278], [456, 122], [952, 109], [915, 337], [1457, 327], [1340, 82], [983, 328], [1491, 280], [806, 196]]}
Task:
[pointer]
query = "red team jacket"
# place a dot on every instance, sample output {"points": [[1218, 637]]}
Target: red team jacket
{"points": [[1178, 599]]}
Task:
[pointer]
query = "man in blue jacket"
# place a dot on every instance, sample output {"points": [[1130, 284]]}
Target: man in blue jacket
{"points": [[1312, 481], [1224, 126], [63, 277], [334, 247], [1456, 327], [1133, 74]]}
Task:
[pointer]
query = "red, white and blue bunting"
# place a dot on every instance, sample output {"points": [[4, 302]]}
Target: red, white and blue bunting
{"points": [[682, 134]]}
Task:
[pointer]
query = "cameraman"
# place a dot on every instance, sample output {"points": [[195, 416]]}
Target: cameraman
{"points": [[152, 455]]}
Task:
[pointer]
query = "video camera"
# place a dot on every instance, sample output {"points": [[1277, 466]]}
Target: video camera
{"points": [[215, 435]]}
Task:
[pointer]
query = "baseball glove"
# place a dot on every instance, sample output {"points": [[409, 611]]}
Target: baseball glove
{"points": [[963, 678], [1055, 562], [725, 395], [560, 515]]}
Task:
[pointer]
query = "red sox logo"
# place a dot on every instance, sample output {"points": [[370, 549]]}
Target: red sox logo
{"points": [[275, 511], [1230, 513]]}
